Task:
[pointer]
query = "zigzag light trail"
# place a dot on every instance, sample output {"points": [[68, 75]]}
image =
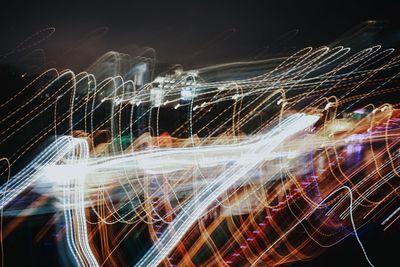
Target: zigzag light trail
{"points": [[265, 162]]}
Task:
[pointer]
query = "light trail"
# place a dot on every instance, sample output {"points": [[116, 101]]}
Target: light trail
{"points": [[226, 161], [196, 207]]}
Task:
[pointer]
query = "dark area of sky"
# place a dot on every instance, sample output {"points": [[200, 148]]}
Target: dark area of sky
{"points": [[186, 32], [197, 34]]}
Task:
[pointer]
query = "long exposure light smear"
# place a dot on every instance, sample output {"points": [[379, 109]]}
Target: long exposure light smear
{"points": [[250, 163], [196, 207]]}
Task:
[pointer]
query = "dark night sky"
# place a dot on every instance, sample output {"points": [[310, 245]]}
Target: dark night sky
{"points": [[184, 32]]}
